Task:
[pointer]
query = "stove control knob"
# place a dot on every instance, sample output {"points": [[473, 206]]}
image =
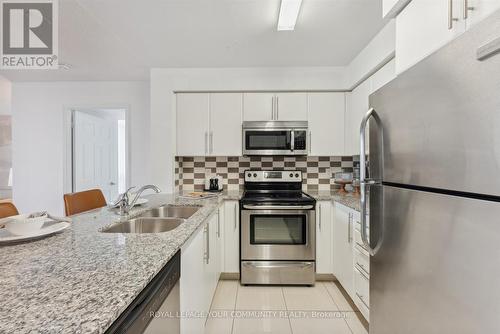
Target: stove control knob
{"points": [[254, 174], [291, 174], [296, 174], [249, 174]]}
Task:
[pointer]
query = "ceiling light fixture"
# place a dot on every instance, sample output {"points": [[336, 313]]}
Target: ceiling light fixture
{"points": [[289, 11]]}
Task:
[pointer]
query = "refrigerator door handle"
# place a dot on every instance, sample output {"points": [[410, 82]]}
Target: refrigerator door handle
{"points": [[364, 182]]}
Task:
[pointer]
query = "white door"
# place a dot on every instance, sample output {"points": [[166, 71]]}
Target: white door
{"points": [[226, 111], [291, 107], [95, 154], [258, 106], [325, 117], [324, 249], [422, 28], [481, 9], [192, 124]]}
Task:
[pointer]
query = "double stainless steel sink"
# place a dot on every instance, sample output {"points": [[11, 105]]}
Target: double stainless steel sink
{"points": [[162, 219]]}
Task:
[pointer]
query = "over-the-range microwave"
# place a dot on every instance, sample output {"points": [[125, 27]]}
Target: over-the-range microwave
{"points": [[275, 138]]}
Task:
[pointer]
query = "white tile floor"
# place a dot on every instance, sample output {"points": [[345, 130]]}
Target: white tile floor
{"points": [[321, 309]]}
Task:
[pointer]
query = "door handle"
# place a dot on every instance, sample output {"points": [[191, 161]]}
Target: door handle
{"points": [[489, 49], [272, 107], [218, 224], [363, 182], [310, 141], [349, 228], [278, 207], [207, 244], [277, 108]]}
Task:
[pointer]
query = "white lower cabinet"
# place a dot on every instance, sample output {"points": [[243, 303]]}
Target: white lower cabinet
{"points": [[324, 237], [231, 237], [200, 271]]}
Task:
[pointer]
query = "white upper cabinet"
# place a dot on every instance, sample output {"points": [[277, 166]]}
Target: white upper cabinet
{"points": [[258, 106], [291, 107], [357, 106], [274, 106], [423, 27], [192, 124], [480, 9], [209, 124], [225, 124], [325, 115]]}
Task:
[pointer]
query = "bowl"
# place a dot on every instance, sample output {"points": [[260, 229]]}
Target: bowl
{"points": [[22, 225]]}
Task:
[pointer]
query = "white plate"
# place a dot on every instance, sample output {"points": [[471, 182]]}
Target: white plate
{"points": [[7, 237]]}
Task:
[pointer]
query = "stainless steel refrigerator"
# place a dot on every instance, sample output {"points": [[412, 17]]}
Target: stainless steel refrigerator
{"points": [[432, 192]]}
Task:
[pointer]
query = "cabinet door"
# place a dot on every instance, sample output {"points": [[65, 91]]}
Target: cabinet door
{"points": [[231, 237], [192, 124], [326, 123], [342, 248], [212, 263], [357, 106], [324, 237], [383, 76], [192, 283], [482, 8], [226, 111], [291, 107], [258, 106], [422, 28]]}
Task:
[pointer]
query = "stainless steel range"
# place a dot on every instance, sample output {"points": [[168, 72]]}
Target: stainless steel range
{"points": [[278, 242]]}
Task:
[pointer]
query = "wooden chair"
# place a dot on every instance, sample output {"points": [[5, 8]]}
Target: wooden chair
{"points": [[83, 201], [7, 209]]}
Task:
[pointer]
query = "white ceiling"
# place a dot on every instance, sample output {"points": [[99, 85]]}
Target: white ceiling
{"points": [[122, 39]]}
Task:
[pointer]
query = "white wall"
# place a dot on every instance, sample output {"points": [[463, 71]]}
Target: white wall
{"points": [[5, 151], [164, 82], [38, 110], [381, 49], [5, 96]]}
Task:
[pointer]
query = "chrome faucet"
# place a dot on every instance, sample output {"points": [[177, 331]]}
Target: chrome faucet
{"points": [[124, 202]]}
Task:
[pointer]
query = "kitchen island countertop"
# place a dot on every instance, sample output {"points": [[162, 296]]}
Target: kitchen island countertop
{"points": [[81, 280]]}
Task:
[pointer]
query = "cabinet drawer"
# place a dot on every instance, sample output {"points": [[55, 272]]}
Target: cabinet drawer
{"points": [[358, 243], [362, 291], [362, 261]]}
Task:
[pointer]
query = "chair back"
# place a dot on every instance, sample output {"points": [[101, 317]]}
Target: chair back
{"points": [[7, 209], [83, 201]]}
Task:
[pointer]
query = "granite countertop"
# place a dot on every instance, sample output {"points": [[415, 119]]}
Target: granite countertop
{"points": [[81, 280], [350, 200]]}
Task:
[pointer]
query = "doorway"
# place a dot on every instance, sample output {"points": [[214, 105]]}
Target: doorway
{"points": [[99, 151]]}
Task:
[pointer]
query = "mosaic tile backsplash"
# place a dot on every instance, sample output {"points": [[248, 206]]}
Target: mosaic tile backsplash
{"points": [[317, 171]]}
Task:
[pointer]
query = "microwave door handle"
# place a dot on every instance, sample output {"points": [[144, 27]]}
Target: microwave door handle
{"points": [[292, 140]]}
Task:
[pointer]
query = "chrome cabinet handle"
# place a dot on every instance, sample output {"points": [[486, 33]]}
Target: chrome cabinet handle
{"points": [[349, 228], [218, 224], [292, 140], [310, 141], [363, 182], [206, 256], [451, 19], [466, 9], [277, 108], [319, 215], [206, 142], [362, 246], [235, 217], [211, 140], [272, 109], [489, 49]]}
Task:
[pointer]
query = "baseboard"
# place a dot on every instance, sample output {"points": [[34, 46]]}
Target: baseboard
{"points": [[229, 276], [325, 277]]}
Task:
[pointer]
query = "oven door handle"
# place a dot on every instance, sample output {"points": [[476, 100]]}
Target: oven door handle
{"points": [[278, 207]]}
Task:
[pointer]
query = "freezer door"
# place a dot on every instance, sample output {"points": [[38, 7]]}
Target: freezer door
{"points": [[441, 118], [438, 268]]}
